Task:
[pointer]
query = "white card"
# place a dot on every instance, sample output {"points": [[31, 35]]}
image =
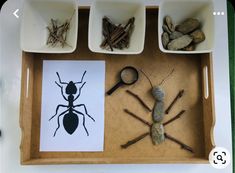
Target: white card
{"points": [[67, 130]]}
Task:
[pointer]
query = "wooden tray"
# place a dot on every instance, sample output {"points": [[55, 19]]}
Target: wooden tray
{"points": [[193, 73]]}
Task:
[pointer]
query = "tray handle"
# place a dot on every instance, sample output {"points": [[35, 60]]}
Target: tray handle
{"points": [[26, 97], [208, 102]]}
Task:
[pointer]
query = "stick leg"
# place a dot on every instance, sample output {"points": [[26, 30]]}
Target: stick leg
{"points": [[57, 108], [84, 106], [84, 121], [135, 140], [139, 99], [58, 121], [183, 146], [174, 118]]}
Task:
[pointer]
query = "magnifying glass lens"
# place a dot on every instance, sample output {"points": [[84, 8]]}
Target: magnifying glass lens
{"points": [[129, 75]]}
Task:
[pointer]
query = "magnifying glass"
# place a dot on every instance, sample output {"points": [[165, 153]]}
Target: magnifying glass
{"points": [[127, 76], [219, 157]]}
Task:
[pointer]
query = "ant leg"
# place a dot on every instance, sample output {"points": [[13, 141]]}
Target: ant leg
{"points": [[79, 92], [84, 106], [58, 121], [60, 79], [57, 108], [83, 123], [61, 91], [81, 79]]}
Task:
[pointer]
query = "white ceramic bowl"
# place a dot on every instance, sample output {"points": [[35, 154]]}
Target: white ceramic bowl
{"points": [[36, 16], [119, 12], [182, 9]]}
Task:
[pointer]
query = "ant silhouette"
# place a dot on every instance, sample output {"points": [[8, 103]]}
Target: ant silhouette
{"points": [[71, 120]]}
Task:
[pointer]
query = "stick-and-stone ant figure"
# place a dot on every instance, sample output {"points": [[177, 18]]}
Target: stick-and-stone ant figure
{"points": [[157, 127], [71, 119]]}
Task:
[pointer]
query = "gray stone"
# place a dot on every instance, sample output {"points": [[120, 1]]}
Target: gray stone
{"points": [[158, 93], [165, 39], [157, 133], [198, 36], [166, 29], [175, 35], [169, 23], [190, 47], [180, 42], [158, 111], [188, 26]]}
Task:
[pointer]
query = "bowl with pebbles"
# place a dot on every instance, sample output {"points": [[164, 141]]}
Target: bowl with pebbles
{"points": [[117, 27], [186, 27], [49, 26]]}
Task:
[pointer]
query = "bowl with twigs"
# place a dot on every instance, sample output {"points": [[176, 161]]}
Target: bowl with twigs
{"points": [[49, 26]]}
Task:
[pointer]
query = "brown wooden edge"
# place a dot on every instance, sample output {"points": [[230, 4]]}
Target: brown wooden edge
{"points": [[25, 119], [208, 104]]}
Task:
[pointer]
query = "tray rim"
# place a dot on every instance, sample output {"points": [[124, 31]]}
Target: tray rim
{"points": [[105, 160]]}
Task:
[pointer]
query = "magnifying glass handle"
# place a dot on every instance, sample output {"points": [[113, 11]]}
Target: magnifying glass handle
{"points": [[115, 87]]}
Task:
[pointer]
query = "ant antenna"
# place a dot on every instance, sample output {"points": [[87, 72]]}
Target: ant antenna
{"points": [[146, 77], [82, 78], [164, 79], [60, 79]]}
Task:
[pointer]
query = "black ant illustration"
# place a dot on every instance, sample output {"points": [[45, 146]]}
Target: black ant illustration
{"points": [[71, 120]]}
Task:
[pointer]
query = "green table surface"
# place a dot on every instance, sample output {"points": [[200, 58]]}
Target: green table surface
{"points": [[231, 26]]}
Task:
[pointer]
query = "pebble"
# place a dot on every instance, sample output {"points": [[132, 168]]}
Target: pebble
{"points": [[169, 23], [157, 133], [158, 111], [158, 93], [180, 42], [165, 39], [166, 29], [188, 26], [175, 35], [198, 36], [190, 47]]}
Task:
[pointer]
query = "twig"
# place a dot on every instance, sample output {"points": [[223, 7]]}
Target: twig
{"points": [[138, 118], [165, 78], [71, 16], [174, 118], [56, 37], [139, 99], [179, 95], [183, 146], [106, 31], [133, 141], [147, 78]]}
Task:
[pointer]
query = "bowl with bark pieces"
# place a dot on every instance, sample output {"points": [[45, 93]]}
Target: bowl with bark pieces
{"points": [[117, 27]]}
